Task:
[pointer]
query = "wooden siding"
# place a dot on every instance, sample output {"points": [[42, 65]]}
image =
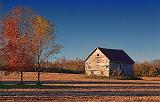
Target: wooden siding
{"points": [[97, 64], [127, 68]]}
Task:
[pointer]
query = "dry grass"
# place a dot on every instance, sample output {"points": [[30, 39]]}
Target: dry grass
{"points": [[32, 76], [151, 78], [83, 99], [79, 88]]}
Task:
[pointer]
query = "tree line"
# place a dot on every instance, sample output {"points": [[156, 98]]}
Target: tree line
{"points": [[147, 69], [141, 69], [70, 66]]}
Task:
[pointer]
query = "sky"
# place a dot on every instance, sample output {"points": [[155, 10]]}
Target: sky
{"points": [[83, 25]]}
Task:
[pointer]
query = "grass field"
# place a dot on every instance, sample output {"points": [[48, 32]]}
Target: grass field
{"points": [[77, 88]]}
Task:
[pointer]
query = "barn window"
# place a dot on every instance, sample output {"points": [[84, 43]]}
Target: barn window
{"points": [[97, 54]]}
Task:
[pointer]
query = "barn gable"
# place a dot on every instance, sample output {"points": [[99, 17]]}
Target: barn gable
{"points": [[97, 63], [95, 52]]}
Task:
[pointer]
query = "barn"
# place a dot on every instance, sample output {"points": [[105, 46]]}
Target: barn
{"points": [[109, 62]]}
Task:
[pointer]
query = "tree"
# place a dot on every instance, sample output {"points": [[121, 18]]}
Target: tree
{"points": [[43, 39], [1, 53], [147, 68], [29, 40], [15, 31], [137, 70]]}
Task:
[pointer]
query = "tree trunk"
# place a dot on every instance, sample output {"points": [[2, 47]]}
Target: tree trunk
{"points": [[38, 70], [21, 77], [38, 78]]}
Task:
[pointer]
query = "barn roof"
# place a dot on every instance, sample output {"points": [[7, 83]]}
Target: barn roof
{"points": [[115, 55]]}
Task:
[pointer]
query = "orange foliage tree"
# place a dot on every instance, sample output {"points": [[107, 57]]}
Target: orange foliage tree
{"points": [[43, 39], [29, 40], [15, 30]]}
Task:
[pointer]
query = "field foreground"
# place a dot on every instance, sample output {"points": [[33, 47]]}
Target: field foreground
{"points": [[77, 88]]}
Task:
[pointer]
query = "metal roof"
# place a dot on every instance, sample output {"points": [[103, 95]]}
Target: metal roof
{"points": [[114, 55]]}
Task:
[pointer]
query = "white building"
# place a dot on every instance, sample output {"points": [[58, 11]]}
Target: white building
{"points": [[107, 62]]}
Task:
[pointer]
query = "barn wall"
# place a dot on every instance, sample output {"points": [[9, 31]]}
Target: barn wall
{"points": [[127, 68], [97, 65]]}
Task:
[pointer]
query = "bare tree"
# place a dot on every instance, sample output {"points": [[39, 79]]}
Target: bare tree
{"points": [[117, 71]]}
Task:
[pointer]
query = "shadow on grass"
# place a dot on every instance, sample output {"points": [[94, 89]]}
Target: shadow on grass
{"points": [[67, 86], [21, 86], [76, 93], [79, 82]]}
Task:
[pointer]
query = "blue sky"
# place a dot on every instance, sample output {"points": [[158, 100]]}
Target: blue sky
{"points": [[82, 25]]}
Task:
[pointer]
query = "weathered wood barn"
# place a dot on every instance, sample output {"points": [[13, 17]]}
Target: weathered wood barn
{"points": [[108, 62]]}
